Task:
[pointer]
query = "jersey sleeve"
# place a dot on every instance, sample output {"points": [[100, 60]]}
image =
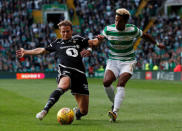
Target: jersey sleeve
{"points": [[104, 32], [51, 47], [139, 33], [82, 41]]}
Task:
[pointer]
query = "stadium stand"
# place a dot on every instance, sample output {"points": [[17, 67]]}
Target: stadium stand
{"points": [[18, 29]]}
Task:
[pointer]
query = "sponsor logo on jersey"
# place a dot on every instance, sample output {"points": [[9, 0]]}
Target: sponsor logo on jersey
{"points": [[85, 86], [58, 42]]}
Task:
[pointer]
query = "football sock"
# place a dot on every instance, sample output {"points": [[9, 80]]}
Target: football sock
{"points": [[110, 93], [79, 114], [119, 97], [54, 97]]}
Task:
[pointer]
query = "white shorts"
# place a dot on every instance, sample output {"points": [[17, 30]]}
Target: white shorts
{"points": [[119, 67]]}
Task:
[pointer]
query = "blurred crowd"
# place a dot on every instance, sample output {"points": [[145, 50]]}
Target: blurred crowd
{"points": [[17, 29], [167, 30]]}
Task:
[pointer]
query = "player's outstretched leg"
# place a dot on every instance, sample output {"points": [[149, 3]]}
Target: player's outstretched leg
{"points": [[41, 114], [54, 97]]}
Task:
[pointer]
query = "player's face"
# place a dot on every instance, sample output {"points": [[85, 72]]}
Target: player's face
{"points": [[120, 22], [66, 32]]}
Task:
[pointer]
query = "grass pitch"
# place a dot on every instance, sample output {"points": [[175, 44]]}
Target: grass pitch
{"points": [[148, 106]]}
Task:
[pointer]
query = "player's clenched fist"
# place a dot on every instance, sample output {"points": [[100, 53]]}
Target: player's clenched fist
{"points": [[100, 37], [20, 53]]}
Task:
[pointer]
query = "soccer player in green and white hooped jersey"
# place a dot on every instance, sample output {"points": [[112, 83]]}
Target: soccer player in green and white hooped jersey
{"points": [[121, 43], [121, 56]]}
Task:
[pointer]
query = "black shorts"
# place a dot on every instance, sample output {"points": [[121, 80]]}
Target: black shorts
{"points": [[79, 84]]}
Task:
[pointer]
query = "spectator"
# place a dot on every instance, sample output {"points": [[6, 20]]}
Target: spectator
{"points": [[155, 68], [91, 71], [178, 68]]}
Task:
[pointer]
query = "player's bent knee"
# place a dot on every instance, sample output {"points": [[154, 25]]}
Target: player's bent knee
{"points": [[107, 83], [63, 88]]}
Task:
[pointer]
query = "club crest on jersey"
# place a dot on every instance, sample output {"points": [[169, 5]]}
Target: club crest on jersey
{"points": [[111, 37], [72, 52]]}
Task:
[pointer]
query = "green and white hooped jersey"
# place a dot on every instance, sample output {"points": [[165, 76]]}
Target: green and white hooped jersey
{"points": [[121, 42]]}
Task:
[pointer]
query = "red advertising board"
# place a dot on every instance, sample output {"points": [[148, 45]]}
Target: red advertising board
{"points": [[30, 76], [148, 75]]}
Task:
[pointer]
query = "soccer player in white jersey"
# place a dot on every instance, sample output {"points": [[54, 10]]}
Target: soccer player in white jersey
{"points": [[121, 56]]}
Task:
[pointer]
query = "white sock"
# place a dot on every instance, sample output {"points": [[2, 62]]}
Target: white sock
{"points": [[110, 93], [119, 97]]}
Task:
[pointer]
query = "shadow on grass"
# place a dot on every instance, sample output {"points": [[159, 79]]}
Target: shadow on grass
{"points": [[84, 122]]}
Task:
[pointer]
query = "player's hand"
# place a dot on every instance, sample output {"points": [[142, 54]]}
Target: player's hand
{"points": [[85, 53], [100, 37], [161, 46], [20, 53]]}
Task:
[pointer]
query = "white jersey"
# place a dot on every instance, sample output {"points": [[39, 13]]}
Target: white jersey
{"points": [[121, 42]]}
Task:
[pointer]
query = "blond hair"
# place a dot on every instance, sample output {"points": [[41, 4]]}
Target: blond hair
{"points": [[122, 11]]}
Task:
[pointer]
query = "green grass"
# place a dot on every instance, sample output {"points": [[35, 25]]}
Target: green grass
{"points": [[148, 106]]}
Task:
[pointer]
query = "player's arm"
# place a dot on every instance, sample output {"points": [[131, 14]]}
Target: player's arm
{"points": [[99, 38], [37, 51], [96, 41], [152, 40], [87, 51]]}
